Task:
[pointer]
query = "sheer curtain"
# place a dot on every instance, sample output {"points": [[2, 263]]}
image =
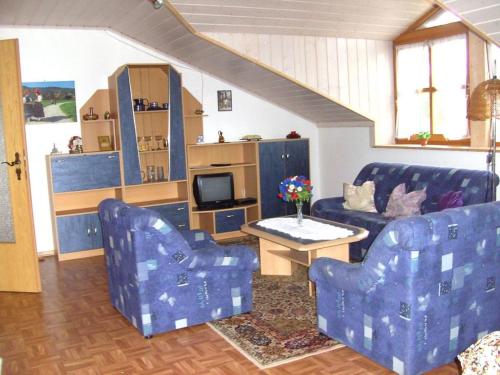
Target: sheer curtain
{"points": [[449, 75], [413, 107]]}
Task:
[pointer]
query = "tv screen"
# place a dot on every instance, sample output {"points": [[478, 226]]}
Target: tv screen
{"points": [[212, 191]]}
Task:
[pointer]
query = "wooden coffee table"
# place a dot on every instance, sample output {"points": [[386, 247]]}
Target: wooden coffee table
{"points": [[280, 253]]}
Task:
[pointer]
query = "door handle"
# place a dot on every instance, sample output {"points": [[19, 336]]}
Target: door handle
{"points": [[17, 161]]}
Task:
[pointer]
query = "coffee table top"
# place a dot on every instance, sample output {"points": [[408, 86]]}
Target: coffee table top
{"points": [[300, 243]]}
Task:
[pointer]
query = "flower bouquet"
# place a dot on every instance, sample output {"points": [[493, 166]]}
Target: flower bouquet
{"points": [[296, 189]]}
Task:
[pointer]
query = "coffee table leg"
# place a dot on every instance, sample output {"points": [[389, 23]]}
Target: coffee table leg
{"points": [[271, 264]]}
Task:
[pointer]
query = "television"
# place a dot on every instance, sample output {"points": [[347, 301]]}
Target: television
{"points": [[214, 191]]}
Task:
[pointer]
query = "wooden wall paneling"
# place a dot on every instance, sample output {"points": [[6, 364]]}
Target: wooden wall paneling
{"points": [[311, 61], [251, 43], [288, 55], [300, 58], [322, 64], [264, 46], [352, 57], [333, 68], [276, 52], [371, 57], [364, 102], [343, 70]]}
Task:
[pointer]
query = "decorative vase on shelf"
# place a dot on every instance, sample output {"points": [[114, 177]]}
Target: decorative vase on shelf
{"points": [[300, 216]]}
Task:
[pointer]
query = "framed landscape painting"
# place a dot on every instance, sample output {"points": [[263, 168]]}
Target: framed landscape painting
{"points": [[49, 102]]}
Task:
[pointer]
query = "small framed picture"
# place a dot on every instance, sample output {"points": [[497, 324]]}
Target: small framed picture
{"points": [[225, 100], [104, 143]]}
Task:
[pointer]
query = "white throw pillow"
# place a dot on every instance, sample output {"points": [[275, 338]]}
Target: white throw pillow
{"points": [[360, 198]]}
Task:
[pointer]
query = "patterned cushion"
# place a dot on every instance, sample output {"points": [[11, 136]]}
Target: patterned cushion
{"points": [[402, 204], [451, 199], [360, 198]]}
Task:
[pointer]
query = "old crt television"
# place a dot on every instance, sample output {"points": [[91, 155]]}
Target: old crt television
{"points": [[213, 191]]}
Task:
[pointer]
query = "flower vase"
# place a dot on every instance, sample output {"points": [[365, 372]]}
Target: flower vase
{"points": [[300, 216]]}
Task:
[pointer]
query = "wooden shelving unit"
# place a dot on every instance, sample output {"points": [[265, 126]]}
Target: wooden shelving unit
{"points": [[242, 158]]}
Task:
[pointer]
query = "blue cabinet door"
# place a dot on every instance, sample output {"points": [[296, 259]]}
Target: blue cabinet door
{"points": [[128, 135], [297, 164], [228, 221], [177, 148], [79, 232], [176, 213], [272, 169], [83, 172]]}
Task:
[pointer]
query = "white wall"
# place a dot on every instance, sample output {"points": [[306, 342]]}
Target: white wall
{"points": [[88, 57], [356, 72]]}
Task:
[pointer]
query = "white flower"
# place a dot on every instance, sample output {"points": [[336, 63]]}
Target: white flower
{"points": [[299, 188], [291, 188]]}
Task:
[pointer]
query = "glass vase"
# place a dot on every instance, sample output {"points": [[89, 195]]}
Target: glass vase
{"points": [[300, 216]]}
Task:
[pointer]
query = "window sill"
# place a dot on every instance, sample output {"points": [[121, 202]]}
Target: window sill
{"points": [[432, 147]]}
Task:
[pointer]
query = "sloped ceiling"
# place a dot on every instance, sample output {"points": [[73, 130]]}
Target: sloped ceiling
{"points": [[481, 15], [365, 19], [166, 31]]}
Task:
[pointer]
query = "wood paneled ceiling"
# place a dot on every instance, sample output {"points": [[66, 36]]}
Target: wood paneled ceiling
{"points": [[365, 19], [480, 15], [166, 31]]}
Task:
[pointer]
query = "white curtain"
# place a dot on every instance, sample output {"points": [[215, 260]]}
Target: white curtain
{"points": [[412, 76], [449, 77]]}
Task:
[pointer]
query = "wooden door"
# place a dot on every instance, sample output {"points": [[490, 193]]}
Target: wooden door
{"points": [[18, 258]]}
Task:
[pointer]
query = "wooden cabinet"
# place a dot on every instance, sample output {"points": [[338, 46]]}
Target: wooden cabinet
{"points": [[278, 160], [239, 158], [78, 171], [79, 232]]}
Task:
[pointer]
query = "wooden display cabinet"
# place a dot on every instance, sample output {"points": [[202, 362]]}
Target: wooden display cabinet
{"points": [[92, 130], [242, 160]]}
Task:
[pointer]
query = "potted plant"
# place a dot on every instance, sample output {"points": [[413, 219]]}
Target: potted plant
{"points": [[423, 137]]}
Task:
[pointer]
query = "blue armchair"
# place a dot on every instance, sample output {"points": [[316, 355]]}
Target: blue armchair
{"points": [[161, 279], [425, 291]]}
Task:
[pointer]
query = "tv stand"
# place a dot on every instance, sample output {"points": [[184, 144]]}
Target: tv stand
{"points": [[240, 158]]}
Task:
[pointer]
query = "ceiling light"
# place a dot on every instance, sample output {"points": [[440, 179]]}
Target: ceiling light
{"points": [[157, 4]]}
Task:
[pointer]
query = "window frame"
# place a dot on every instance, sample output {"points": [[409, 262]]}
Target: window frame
{"points": [[414, 35]]}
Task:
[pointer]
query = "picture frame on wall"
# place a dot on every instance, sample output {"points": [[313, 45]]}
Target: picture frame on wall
{"points": [[104, 143], [225, 100]]}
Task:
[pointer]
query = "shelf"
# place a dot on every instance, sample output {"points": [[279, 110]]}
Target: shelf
{"points": [[90, 122], [153, 151], [158, 202], [235, 207], [293, 255], [233, 165], [76, 211], [195, 116], [156, 111]]}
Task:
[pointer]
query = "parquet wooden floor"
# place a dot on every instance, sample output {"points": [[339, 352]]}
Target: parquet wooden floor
{"points": [[71, 328]]}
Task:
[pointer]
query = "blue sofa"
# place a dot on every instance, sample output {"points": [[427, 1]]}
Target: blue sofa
{"points": [[387, 176], [161, 279], [425, 291]]}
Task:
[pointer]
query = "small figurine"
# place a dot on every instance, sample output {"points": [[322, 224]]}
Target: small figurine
{"points": [[107, 115], [75, 145], [54, 149], [293, 134], [221, 137]]}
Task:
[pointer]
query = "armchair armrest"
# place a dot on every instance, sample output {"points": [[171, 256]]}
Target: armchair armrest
{"points": [[197, 238], [352, 277], [226, 257], [327, 203]]}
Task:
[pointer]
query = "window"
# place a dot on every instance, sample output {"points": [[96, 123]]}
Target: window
{"points": [[431, 82]]}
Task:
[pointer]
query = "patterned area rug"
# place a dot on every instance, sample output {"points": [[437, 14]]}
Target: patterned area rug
{"points": [[282, 326]]}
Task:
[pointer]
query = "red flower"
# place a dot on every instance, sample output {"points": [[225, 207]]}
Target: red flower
{"points": [[280, 196], [295, 195]]}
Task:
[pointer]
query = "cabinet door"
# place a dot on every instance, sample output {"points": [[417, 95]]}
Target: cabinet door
{"points": [[228, 221], [96, 229], [83, 172], [297, 164], [75, 233], [176, 144], [128, 135], [176, 213], [272, 172]]}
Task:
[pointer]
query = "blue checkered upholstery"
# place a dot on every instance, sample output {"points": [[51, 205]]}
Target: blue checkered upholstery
{"points": [[161, 279], [425, 291], [436, 181]]}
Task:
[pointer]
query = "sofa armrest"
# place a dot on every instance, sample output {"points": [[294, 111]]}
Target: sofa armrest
{"points": [[327, 203], [197, 238], [341, 275], [224, 257]]}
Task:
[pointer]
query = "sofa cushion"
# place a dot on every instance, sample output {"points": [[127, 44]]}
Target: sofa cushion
{"points": [[402, 204], [360, 197]]}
